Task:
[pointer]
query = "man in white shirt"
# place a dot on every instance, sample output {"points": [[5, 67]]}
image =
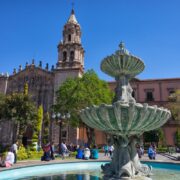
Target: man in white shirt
{"points": [[111, 149], [14, 148], [64, 149]]}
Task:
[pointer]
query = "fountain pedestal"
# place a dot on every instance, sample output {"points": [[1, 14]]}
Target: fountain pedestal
{"points": [[125, 162]]}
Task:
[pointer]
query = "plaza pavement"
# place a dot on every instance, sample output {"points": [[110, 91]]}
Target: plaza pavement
{"points": [[170, 158]]}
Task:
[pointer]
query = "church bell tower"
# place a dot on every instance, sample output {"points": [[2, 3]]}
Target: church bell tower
{"points": [[70, 50]]}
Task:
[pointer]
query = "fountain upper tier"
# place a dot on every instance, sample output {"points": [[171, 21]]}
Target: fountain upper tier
{"points": [[122, 63], [124, 117]]}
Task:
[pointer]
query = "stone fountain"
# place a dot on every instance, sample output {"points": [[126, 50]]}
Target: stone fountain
{"points": [[125, 120]]}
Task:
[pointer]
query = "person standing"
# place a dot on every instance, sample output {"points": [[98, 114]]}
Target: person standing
{"points": [[105, 148], [64, 149], [15, 150], [52, 150], [111, 149]]}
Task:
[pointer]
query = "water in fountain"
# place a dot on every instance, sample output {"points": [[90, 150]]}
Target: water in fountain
{"points": [[125, 120]]}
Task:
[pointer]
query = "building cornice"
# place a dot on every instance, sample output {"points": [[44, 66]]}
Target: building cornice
{"points": [[150, 80]]}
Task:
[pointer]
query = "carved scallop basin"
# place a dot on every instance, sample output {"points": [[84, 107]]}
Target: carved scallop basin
{"points": [[125, 119]]}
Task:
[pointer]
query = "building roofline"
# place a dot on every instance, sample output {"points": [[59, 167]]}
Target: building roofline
{"points": [[148, 80], [33, 67]]}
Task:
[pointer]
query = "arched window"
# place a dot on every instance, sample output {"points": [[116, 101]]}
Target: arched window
{"points": [[69, 37], [64, 56], [71, 55]]}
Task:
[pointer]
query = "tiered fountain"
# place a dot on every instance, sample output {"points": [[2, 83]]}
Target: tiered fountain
{"points": [[125, 120]]}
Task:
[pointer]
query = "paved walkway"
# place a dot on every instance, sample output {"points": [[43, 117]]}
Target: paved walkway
{"points": [[159, 158]]}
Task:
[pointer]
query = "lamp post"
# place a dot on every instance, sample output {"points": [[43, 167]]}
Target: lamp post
{"points": [[60, 118]]}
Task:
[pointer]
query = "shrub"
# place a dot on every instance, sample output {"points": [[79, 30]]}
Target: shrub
{"points": [[34, 154], [162, 150], [28, 153], [22, 154], [73, 154]]}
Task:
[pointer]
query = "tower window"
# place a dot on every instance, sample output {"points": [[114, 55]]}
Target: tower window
{"points": [[64, 56], [72, 56], [69, 37], [149, 96]]}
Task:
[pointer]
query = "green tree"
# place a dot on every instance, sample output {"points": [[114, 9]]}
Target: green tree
{"points": [[26, 89], [162, 138], [76, 94], [177, 137], [46, 124], [155, 136], [39, 124], [174, 105], [19, 108], [151, 136]]}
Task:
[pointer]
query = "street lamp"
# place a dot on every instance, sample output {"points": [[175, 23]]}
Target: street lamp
{"points": [[60, 118]]}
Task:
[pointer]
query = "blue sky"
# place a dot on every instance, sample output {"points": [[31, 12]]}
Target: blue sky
{"points": [[150, 29]]}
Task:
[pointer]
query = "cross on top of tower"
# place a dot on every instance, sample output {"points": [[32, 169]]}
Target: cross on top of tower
{"points": [[72, 18], [72, 11]]}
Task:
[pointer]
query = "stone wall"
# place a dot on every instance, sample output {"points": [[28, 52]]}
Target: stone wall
{"points": [[6, 132]]}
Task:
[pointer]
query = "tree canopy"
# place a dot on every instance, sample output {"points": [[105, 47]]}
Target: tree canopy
{"points": [[18, 108], [78, 93], [174, 105]]}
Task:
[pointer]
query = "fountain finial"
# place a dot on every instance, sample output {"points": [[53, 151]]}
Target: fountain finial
{"points": [[123, 50], [122, 45]]}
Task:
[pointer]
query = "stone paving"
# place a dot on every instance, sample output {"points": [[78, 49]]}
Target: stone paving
{"points": [[171, 158]]}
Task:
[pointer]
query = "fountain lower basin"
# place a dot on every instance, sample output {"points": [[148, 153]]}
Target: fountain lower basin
{"points": [[125, 119], [84, 170]]}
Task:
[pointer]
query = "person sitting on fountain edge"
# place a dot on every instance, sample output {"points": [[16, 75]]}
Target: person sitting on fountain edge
{"points": [[151, 153], [95, 152], [80, 153], [48, 154], [87, 153], [9, 161]]}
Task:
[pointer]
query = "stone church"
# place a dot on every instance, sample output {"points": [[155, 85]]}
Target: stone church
{"points": [[43, 83]]}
